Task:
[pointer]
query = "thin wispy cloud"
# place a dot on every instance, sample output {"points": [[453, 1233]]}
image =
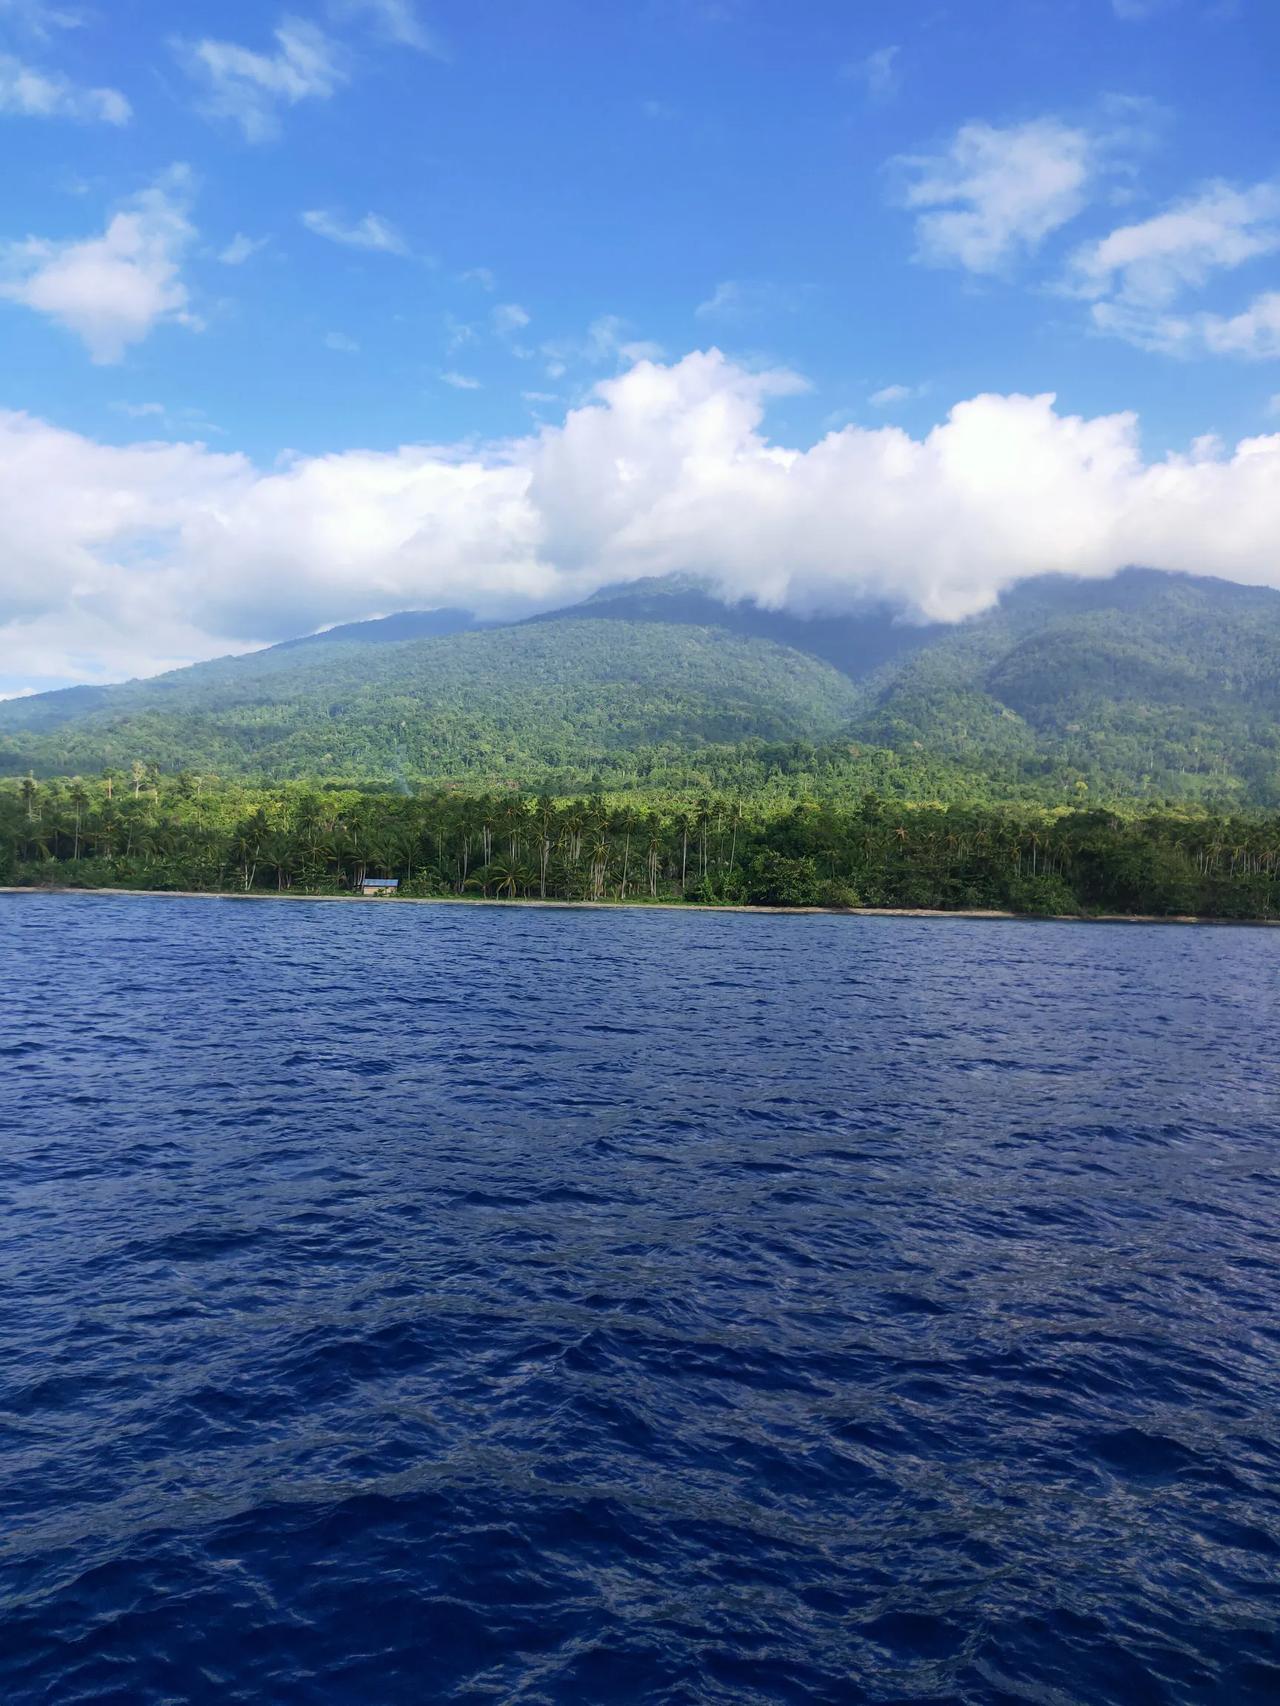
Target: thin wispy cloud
{"points": [[749, 299], [608, 341], [141, 411], [892, 396], [341, 343], [509, 318], [1154, 260], [40, 19], [397, 21], [372, 232], [26, 92], [241, 249], [877, 73], [460, 381], [1139, 276], [1140, 11], [250, 88]]}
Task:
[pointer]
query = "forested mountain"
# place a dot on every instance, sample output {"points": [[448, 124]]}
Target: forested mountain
{"points": [[1144, 686], [1147, 685]]}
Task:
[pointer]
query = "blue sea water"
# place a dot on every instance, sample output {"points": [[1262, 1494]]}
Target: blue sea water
{"points": [[477, 1304]]}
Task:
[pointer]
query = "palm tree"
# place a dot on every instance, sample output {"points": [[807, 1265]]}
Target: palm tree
{"points": [[736, 820], [653, 848], [506, 877], [79, 798]]}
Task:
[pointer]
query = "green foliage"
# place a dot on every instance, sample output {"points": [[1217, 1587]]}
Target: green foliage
{"points": [[1147, 687], [161, 832], [776, 880]]}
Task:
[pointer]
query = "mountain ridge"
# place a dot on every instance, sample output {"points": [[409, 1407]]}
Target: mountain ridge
{"points": [[1146, 684]]}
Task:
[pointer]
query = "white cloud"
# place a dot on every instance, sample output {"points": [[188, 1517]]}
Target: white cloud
{"points": [[749, 299], [113, 289], [371, 232], [605, 342], [996, 194], [141, 411], [889, 396], [878, 74], [119, 560], [509, 318], [249, 88], [28, 93], [397, 20], [1255, 332], [38, 18], [1151, 262], [241, 249], [1138, 274], [340, 342], [460, 381]]}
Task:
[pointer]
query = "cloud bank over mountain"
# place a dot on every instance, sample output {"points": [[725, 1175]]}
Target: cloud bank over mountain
{"points": [[127, 560]]}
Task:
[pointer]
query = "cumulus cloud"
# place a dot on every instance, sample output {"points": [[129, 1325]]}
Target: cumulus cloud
{"points": [[249, 87], [121, 560], [996, 193], [28, 93], [371, 232], [113, 289]]}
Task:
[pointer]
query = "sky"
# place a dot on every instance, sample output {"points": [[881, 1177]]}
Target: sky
{"points": [[313, 314]]}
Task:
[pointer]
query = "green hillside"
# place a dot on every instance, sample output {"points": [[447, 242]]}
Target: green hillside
{"points": [[1145, 686], [1148, 685], [495, 702]]}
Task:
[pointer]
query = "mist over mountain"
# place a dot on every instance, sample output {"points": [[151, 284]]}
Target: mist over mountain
{"points": [[1148, 685]]}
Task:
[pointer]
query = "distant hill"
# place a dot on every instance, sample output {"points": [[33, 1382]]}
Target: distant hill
{"points": [[514, 701], [1147, 685]]}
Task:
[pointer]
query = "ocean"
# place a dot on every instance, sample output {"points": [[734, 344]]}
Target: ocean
{"points": [[486, 1304]]}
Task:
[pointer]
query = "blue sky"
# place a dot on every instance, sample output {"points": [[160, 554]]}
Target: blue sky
{"points": [[352, 227]]}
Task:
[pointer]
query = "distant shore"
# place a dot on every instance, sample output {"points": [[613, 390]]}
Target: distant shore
{"points": [[654, 906]]}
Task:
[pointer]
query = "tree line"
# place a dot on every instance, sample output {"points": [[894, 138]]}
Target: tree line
{"points": [[144, 830]]}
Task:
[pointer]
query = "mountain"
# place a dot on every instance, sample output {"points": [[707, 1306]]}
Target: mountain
{"points": [[513, 701], [1146, 685]]}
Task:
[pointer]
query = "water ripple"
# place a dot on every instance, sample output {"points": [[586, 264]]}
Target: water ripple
{"points": [[479, 1305]]}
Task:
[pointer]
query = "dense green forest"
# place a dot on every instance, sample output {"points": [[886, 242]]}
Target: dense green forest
{"points": [[1146, 687], [144, 830]]}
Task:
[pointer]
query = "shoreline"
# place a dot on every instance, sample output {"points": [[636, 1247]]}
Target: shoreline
{"points": [[663, 906]]}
